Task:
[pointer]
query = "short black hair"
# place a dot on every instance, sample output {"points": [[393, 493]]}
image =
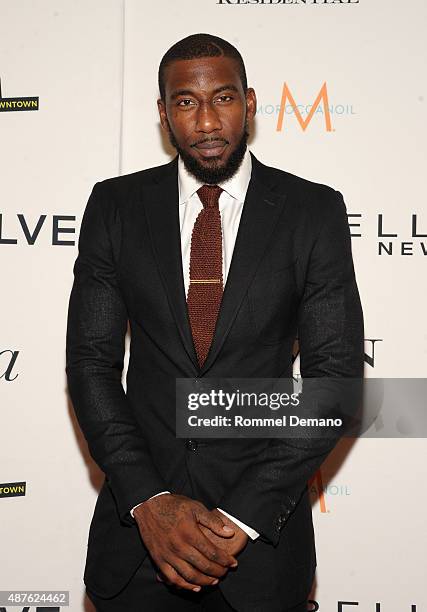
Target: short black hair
{"points": [[200, 45]]}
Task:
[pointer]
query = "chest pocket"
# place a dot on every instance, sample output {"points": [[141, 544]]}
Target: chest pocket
{"points": [[272, 298]]}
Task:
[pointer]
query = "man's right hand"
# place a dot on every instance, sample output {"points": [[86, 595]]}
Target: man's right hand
{"points": [[169, 527]]}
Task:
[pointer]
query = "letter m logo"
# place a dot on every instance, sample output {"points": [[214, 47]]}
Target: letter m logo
{"points": [[287, 95]]}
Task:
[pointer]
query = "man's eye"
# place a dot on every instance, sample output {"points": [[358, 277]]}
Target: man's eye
{"points": [[225, 98], [185, 102]]}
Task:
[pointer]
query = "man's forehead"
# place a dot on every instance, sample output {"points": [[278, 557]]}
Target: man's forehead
{"points": [[204, 74]]}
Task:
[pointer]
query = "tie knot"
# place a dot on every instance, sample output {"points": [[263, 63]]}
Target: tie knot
{"points": [[209, 195]]}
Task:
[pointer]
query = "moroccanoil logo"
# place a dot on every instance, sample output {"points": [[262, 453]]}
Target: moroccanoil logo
{"points": [[8, 105], [12, 489], [322, 98], [317, 489]]}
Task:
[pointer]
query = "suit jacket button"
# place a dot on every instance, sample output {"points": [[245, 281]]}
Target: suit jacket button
{"points": [[191, 445]]}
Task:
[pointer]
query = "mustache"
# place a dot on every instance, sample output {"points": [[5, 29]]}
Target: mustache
{"points": [[209, 140]]}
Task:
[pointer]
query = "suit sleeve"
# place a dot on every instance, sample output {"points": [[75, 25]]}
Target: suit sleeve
{"points": [[331, 340], [95, 346]]}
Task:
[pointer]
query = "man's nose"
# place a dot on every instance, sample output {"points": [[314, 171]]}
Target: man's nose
{"points": [[207, 119]]}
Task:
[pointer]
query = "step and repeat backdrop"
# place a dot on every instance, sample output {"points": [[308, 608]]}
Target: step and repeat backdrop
{"points": [[341, 88]]}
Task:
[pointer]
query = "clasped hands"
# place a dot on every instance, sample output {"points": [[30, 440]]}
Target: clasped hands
{"points": [[191, 545]]}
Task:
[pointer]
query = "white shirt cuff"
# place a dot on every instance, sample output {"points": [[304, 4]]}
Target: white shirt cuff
{"points": [[251, 532], [133, 509]]}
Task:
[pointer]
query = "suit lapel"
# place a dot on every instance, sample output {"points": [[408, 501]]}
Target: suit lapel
{"points": [[161, 206], [261, 211]]}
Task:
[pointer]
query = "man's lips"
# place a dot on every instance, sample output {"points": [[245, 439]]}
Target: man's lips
{"points": [[211, 148]]}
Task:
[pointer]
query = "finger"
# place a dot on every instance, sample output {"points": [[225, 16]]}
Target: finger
{"points": [[190, 574], [214, 523], [210, 550], [173, 578], [166, 581], [201, 562]]}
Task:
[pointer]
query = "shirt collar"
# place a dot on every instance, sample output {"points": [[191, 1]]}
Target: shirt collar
{"points": [[236, 186]]}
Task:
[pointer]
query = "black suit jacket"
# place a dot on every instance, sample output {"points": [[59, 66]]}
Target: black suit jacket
{"points": [[291, 275]]}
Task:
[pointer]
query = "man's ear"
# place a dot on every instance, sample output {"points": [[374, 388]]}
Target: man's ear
{"points": [[162, 115], [251, 103]]}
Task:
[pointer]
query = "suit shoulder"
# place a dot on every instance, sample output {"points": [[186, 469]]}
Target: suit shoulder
{"points": [[299, 185], [312, 203], [117, 194], [123, 185]]}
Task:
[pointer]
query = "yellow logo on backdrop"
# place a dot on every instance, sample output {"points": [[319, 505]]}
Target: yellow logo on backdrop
{"points": [[27, 103], [12, 489], [321, 96]]}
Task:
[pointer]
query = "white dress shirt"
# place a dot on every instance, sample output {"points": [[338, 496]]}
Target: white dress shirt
{"points": [[230, 205]]}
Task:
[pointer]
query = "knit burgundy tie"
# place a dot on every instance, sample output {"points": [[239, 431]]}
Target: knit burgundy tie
{"points": [[206, 282]]}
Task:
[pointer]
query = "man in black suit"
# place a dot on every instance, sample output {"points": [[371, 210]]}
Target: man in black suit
{"points": [[218, 262]]}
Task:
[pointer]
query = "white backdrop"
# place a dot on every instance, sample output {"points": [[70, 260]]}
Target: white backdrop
{"points": [[94, 68]]}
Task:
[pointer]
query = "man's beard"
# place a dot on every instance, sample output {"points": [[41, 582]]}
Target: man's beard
{"points": [[213, 175]]}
